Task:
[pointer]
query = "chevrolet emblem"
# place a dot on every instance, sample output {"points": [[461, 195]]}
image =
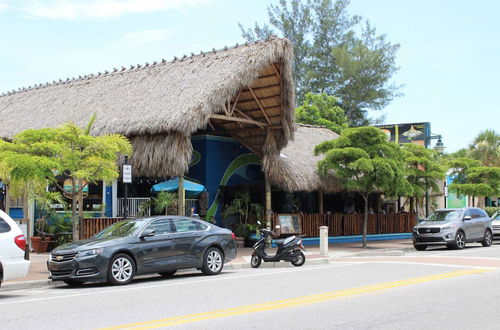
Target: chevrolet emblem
{"points": [[59, 258]]}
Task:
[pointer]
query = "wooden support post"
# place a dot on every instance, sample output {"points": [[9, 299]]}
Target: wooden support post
{"points": [[320, 201], [182, 196], [268, 204]]}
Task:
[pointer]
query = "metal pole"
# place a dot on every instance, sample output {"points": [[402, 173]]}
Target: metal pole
{"points": [[125, 195], [182, 197]]}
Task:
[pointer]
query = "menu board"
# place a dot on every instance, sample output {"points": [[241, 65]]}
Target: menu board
{"points": [[290, 223]]}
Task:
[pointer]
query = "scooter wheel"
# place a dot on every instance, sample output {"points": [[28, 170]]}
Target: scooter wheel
{"points": [[255, 261], [300, 260]]}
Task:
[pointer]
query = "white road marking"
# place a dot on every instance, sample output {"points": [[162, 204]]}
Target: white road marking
{"points": [[423, 263], [212, 279]]}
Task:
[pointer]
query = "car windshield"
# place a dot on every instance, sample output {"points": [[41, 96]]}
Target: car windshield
{"points": [[445, 215], [496, 216], [120, 229]]}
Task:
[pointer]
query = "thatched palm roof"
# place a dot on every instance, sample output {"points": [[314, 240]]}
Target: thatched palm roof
{"points": [[246, 91], [296, 168]]}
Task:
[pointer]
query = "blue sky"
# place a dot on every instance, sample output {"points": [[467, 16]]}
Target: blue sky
{"points": [[449, 56]]}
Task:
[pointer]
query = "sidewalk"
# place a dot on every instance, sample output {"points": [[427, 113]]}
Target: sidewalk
{"points": [[38, 274]]}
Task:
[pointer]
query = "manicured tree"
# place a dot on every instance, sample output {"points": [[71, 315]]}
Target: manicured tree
{"points": [[322, 109], [472, 179], [424, 170], [35, 158], [364, 162]]}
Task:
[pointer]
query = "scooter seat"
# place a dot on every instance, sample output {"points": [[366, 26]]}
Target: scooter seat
{"points": [[280, 242]]}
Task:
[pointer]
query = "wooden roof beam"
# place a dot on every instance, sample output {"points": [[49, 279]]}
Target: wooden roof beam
{"points": [[238, 119], [260, 105]]}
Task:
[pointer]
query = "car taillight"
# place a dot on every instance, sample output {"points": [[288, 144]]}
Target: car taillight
{"points": [[20, 241], [233, 235]]}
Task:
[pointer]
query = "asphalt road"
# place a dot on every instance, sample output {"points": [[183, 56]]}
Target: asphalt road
{"points": [[439, 288]]}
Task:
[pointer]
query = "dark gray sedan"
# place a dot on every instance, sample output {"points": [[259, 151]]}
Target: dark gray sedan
{"points": [[159, 244]]}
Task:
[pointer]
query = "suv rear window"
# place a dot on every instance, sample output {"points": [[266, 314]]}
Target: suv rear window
{"points": [[4, 226]]}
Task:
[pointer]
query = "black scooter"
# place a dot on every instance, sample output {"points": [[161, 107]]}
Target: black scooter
{"points": [[289, 249]]}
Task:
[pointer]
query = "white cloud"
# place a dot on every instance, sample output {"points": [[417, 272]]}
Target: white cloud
{"points": [[101, 9], [146, 36], [3, 5]]}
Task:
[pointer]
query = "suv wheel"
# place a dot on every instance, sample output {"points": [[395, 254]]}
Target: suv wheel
{"points": [[459, 240], [488, 238]]}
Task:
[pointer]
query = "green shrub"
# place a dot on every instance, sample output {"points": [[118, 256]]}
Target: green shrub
{"points": [[490, 210]]}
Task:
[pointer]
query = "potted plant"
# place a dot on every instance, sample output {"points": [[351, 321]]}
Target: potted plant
{"points": [[44, 204]]}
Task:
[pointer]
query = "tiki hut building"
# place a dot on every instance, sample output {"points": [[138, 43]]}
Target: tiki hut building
{"points": [[231, 109], [246, 91]]}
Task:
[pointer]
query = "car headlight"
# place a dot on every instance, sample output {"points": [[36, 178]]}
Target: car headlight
{"points": [[92, 252], [449, 227], [415, 229]]}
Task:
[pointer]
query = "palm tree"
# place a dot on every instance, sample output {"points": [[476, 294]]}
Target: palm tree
{"points": [[486, 148]]}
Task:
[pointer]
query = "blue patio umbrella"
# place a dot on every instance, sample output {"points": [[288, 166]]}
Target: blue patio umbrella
{"points": [[192, 189]]}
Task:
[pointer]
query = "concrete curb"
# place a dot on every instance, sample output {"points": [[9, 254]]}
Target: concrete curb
{"points": [[14, 286]]}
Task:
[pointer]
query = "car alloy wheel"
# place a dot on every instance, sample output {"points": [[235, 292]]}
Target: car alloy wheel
{"points": [[214, 261], [488, 239], [460, 240], [121, 270]]}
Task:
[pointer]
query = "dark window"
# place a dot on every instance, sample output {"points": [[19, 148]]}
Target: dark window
{"points": [[163, 226], [4, 226], [481, 213], [476, 213], [468, 212], [200, 226], [184, 225]]}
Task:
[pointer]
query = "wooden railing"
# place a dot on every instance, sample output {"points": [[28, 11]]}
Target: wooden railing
{"points": [[91, 226], [352, 224], [338, 224]]}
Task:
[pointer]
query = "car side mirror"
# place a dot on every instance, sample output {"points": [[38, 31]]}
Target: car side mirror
{"points": [[467, 217], [147, 233]]}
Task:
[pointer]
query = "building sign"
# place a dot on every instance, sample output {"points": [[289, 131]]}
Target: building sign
{"points": [[68, 188], [418, 133], [290, 223], [127, 173]]}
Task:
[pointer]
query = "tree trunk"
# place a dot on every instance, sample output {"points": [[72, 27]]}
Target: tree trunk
{"points": [[412, 205], [74, 214], [365, 221]]}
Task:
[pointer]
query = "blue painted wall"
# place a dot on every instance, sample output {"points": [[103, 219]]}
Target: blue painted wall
{"points": [[221, 161]]}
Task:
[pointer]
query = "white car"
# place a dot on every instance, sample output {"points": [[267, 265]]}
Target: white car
{"points": [[12, 245], [495, 221]]}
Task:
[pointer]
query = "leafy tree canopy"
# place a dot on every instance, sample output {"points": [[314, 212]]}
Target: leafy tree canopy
{"points": [[334, 53], [486, 148], [363, 161], [424, 170], [38, 157], [322, 109]]}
